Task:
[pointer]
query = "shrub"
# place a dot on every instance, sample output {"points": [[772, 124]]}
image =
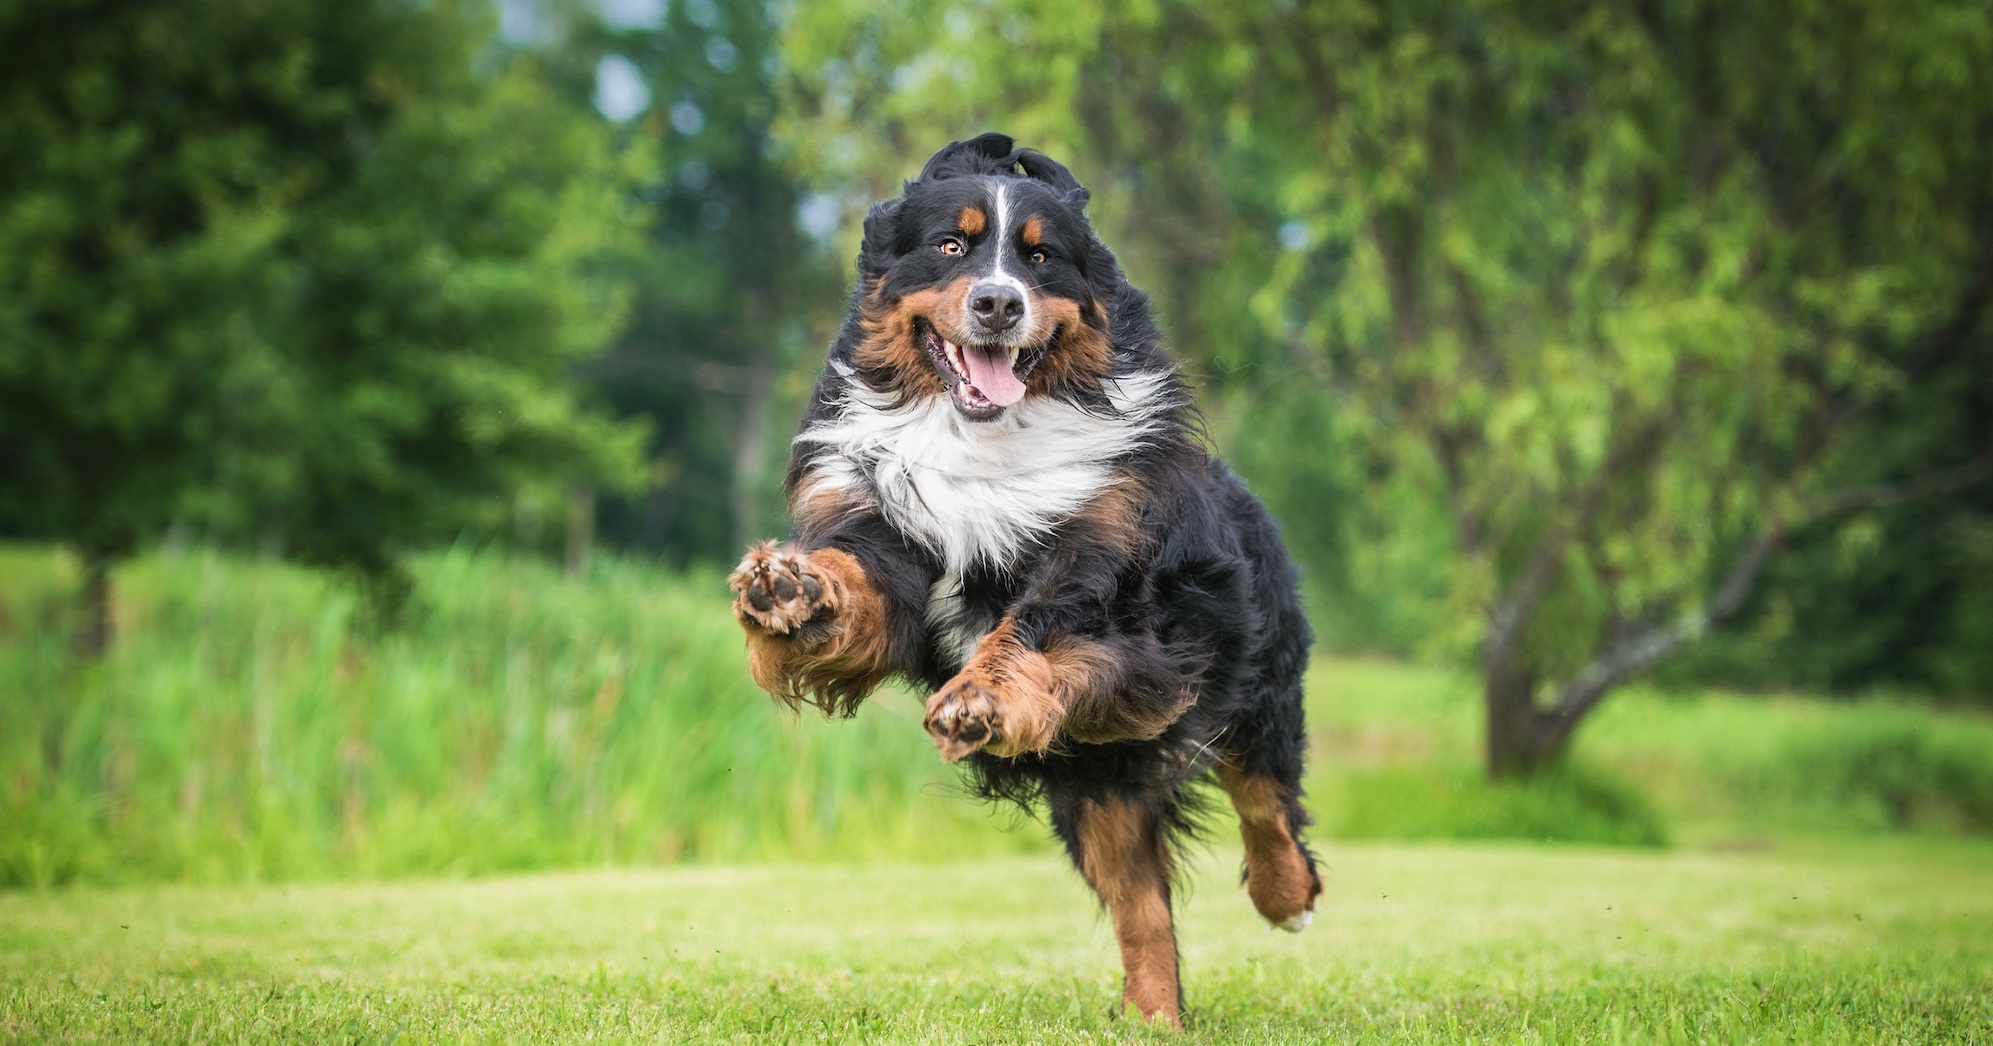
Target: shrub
{"points": [[1906, 773], [1570, 803]]}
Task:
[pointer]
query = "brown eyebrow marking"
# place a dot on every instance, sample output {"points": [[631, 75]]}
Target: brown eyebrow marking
{"points": [[1034, 231], [972, 220]]}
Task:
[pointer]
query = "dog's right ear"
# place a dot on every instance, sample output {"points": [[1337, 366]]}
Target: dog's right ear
{"points": [[984, 154]]}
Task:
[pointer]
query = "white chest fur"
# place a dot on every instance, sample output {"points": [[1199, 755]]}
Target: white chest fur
{"points": [[953, 636], [980, 492]]}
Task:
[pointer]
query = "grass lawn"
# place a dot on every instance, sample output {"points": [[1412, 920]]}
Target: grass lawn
{"points": [[1887, 940]]}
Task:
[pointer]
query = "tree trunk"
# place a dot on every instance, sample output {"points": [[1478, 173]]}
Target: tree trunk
{"points": [[93, 635], [1519, 741]]}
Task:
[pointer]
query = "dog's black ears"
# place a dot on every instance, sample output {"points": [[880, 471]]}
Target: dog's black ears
{"points": [[983, 154], [998, 154], [1045, 169], [881, 234]]}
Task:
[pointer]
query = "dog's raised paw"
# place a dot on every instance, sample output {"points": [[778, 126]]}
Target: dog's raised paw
{"points": [[778, 591], [964, 717]]}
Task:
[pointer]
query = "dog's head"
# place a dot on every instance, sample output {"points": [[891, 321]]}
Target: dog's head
{"points": [[984, 282]]}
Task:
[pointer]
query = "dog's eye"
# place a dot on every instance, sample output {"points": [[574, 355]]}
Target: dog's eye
{"points": [[1040, 257], [951, 246]]}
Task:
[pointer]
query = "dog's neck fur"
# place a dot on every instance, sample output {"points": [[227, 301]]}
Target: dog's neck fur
{"points": [[980, 492]]}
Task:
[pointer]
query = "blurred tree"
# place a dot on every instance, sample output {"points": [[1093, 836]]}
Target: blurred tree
{"points": [[305, 270], [1632, 295], [729, 293]]}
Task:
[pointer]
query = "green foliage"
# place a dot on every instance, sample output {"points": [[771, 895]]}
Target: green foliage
{"points": [[309, 271], [246, 729], [1395, 747], [1620, 292], [730, 300], [1903, 600], [249, 726], [1375, 547], [1901, 773]]}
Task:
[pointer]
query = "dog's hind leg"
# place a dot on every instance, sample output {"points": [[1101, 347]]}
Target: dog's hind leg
{"points": [[1121, 845], [1280, 872]]}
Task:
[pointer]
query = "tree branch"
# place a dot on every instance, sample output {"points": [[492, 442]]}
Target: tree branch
{"points": [[1884, 495], [1641, 651], [1508, 618]]}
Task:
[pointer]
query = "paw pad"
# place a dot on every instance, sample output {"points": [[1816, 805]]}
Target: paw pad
{"points": [[778, 590], [964, 717]]}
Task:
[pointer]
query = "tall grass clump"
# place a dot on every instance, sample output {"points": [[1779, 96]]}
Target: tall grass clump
{"points": [[248, 726], [1897, 769], [1568, 803], [1398, 755]]}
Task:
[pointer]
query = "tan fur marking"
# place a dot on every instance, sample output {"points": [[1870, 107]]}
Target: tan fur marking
{"points": [[1081, 668], [1030, 700], [1277, 876], [1079, 362], [890, 346], [813, 507], [1006, 691], [1090, 674], [1083, 356], [972, 221], [832, 668], [1115, 515], [1095, 712], [1033, 232], [1122, 857]]}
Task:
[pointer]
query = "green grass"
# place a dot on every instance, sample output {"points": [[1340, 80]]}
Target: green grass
{"points": [[1891, 941], [248, 727], [252, 741]]}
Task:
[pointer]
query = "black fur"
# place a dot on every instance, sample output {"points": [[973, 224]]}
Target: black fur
{"points": [[1205, 605]]}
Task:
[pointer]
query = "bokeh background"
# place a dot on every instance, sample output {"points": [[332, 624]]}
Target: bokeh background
{"points": [[385, 388]]}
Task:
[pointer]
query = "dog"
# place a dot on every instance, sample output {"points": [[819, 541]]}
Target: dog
{"points": [[999, 493]]}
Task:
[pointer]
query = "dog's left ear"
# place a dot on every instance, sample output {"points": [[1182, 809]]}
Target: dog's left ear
{"points": [[1043, 168]]}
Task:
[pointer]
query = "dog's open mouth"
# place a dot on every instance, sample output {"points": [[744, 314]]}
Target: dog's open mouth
{"points": [[982, 380]]}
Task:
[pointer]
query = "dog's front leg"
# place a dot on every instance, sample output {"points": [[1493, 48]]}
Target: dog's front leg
{"points": [[1016, 698], [1007, 699], [816, 625], [1043, 661]]}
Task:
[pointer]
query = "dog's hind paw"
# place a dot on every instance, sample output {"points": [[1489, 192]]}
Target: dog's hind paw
{"points": [[777, 590]]}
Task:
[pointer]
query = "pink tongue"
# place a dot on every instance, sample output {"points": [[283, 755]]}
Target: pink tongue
{"points": [[990, 373]]}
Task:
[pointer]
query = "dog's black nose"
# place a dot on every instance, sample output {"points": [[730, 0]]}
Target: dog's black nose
{"points": [[996, 307]]}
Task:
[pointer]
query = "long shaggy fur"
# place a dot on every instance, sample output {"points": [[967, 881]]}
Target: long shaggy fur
{"points": [[1076, 547]]}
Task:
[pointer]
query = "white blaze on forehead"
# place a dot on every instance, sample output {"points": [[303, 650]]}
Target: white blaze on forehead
{"points": [[1000, 244]]}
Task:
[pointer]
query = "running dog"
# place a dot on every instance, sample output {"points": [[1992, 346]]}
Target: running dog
{"points": [[999, 494]]}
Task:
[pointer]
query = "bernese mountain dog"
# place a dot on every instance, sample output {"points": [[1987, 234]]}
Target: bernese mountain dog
{"points": [[1000, 494]]}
